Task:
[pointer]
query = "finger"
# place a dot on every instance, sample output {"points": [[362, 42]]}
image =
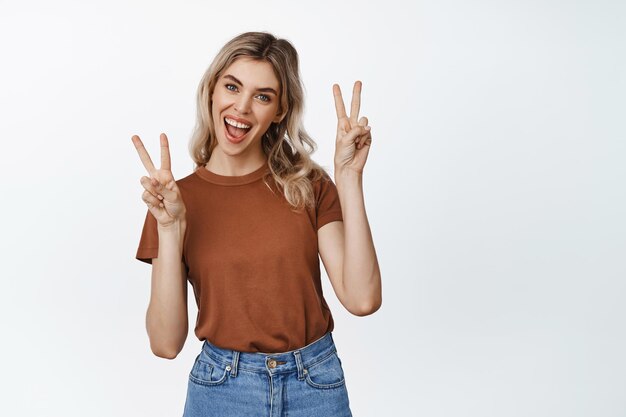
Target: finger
{"points": [[150, 185], [354, 133], [367, 143], [172, 186], [365, 140], [362, 122], [367, 146], [339, 107], [160, 191], [343, 126], [150, 200], [167, 193], [165, 153], [143, 154], [356, 103]]}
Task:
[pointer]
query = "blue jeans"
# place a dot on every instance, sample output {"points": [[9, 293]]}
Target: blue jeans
{"points": [[307, 382]]}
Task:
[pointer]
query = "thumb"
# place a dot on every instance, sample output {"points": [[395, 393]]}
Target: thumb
{"points": [[168, 191], [352, 134]]}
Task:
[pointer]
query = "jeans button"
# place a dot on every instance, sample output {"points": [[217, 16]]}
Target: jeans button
{"points": [[272, 364]]}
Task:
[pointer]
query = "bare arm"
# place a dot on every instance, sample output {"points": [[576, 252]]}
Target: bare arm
{"points": [[347, 247], [347, 251], [166, 319]]}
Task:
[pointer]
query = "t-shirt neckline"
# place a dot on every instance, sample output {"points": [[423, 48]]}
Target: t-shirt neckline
{"points": [[218, 179]]}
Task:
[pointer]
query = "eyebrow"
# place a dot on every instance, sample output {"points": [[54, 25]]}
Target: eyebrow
{"points": [[264, 90]]}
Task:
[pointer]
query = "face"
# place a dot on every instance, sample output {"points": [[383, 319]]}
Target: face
{"points": [[247, 95]]}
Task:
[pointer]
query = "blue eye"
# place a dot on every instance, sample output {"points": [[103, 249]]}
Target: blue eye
{"points": [[265, 97]]}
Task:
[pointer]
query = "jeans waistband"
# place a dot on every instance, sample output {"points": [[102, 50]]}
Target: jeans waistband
{"points": [[295, 360]]}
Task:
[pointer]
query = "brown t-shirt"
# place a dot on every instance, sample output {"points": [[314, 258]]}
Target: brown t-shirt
{"points": [[252, 260]]}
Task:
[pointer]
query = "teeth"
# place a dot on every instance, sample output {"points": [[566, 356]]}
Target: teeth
{"points": [[236, 124]]}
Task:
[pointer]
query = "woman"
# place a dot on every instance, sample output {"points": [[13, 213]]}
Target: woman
{"points": [[246, 229]]}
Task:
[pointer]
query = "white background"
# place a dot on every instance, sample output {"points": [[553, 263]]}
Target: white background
{"points": [[495, 191]]}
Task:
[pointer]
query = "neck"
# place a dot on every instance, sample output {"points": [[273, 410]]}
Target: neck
{"points": [[222, 164]]}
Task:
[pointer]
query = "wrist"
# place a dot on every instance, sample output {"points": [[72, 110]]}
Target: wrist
{"points": [[347, 175], [177, 226]]}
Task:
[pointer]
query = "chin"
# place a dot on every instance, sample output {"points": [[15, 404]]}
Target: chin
{"points": [[229, 148]]}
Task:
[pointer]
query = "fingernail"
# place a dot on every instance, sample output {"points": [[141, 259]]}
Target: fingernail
{"points": [[368, 127]]}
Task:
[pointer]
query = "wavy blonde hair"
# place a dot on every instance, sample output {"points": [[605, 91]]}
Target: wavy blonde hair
{"points": [[286, 144]]}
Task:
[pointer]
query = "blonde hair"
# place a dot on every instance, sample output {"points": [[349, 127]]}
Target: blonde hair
{"points": [[286, 144]]}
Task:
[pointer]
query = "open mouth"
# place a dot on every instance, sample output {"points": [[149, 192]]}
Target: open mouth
{"points": [[236, 133]]}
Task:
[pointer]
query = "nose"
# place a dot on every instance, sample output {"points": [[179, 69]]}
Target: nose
{"points": [[243, 104]]}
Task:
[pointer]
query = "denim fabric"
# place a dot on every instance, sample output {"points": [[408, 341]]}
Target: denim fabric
{"points": [[307, 382]]}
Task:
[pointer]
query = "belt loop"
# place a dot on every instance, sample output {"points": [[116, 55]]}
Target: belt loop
{"points": [[299, 365], [233, 371]]}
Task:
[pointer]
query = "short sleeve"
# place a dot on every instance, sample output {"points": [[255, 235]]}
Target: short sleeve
{"points": [[328, 205], [149, 242]]}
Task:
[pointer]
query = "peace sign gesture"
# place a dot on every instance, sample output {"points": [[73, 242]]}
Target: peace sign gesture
{"points": [[353, 135], [161, 192]]}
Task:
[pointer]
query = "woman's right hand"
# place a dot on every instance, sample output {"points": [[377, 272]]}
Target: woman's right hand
{"points": [[161, 193]]}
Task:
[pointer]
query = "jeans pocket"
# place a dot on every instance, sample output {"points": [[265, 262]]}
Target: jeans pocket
{"points": [[326, 374], [205, 373]]}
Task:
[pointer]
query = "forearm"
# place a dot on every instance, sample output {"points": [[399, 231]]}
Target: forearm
{"points": [[361, 273], [166, 318]]}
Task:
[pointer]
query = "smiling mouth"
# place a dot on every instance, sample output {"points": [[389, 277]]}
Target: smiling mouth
{"points": [[236, 133]]}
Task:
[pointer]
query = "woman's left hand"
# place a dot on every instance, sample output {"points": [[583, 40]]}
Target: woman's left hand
{"points": [[353, 134]]}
